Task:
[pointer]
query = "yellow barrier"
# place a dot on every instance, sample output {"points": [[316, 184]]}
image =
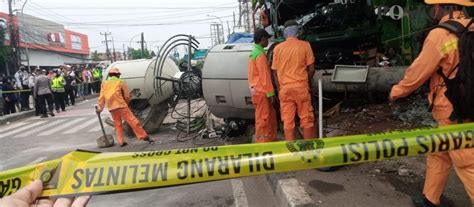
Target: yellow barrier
{"points": [[83, 172]]}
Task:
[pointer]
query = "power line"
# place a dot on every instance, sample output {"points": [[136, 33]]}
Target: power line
{"points": [[160, 17], [144, 24], [190, 22], [58, 15], [140, 13], [131, 8]]}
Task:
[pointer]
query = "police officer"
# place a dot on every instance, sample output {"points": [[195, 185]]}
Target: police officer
{"points": [[57, 84], [43, 93]]}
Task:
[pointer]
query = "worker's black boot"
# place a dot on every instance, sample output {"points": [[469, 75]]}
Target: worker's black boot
{"points": [[427, 203], [149, 140], [123, 144]]}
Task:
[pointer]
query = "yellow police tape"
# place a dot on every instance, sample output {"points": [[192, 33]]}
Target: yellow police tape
{"points": [[17, 91], [29, 90], [82, 172]]}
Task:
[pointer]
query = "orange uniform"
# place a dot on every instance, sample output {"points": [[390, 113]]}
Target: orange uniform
{"points": [[440, 49], [114, 91], [291, 60], [260, 84]]}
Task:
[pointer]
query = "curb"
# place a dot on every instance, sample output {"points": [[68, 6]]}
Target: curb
{"points": [[25, 114], [289, 192], [16, 116]]}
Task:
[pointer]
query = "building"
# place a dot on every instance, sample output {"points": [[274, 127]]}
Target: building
{"points": [[45, 43]]}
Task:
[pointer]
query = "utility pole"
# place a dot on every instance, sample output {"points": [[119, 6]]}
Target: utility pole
{"points": [[248, 15], [13, 40], [228, 30], [142, 42], [218, 33], [107, 52], [240, 13], [113, 49], [124, 55], [233, 22]]}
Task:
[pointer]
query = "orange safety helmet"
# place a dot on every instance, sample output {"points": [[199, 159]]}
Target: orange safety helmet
{"points": [[114, 71], [457, 2]]}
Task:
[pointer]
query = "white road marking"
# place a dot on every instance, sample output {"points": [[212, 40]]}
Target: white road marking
{"points": [[12, 126], [41, 128], [29, 125], [240, 198], [61, 127], [95, 129], [37, 161], [81, 126]]}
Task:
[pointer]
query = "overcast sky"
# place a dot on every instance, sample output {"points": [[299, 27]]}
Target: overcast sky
{"points": [[126, 19]]}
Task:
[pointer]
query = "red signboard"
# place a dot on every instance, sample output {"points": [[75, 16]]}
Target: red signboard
{"points": [[65, 41]]}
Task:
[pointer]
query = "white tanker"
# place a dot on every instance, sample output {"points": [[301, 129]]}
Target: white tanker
{"points": [[225, 83]]}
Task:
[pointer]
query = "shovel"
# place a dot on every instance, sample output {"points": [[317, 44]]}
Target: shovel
{"points": [[106, 140]]}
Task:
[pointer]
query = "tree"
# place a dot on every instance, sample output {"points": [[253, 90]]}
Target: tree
{"points": [[95, 56], [137, 54], [5, 51]]}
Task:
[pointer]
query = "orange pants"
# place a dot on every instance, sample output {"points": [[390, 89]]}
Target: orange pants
{"points": [[294, 100], [265, 119], [127, 115], [438, 167]]}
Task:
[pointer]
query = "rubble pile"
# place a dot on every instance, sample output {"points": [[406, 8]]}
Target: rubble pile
{"points": [[416, 112]]}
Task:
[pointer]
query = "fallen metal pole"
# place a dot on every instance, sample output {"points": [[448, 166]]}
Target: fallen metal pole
{"points": [[320, 112]]}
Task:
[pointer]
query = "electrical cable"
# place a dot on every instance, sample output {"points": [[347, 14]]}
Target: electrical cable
{"points": [[160, 17], [40, 8]]}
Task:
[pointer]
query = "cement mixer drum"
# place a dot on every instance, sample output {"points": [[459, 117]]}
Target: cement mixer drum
{"points": [[149, 97]]}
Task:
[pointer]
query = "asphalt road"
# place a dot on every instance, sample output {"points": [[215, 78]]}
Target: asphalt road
{"points": [[35, 140]]}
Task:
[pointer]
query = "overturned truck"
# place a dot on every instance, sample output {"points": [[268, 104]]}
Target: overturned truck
{"points": [[342, 36]]}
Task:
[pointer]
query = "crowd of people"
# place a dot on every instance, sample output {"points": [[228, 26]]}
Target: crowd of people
{"points": [[57, 88]]}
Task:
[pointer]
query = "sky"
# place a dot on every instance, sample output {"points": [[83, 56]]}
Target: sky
{"points": [[126, 19]]}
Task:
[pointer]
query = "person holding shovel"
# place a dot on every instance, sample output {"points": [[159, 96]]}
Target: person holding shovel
{"points": [[114, 91]]}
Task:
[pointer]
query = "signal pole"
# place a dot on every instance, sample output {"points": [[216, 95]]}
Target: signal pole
{"points": [[106, 44]]}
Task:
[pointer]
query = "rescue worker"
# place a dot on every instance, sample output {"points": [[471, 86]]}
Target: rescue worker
{"points": [[115, 93], [43, 93], [261, 89], [439, 52], [293, 62], [57, 85]]}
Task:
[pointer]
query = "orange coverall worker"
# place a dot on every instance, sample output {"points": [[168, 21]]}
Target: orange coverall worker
{"points": [[290, 61], [114, 91], [260, 84], [440, 49]]}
